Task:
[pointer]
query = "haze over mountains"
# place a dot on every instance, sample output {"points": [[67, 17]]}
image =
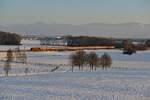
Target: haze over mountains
{"points": [[123, 30]]}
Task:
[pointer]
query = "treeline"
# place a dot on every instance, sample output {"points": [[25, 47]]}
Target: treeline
{"points": [[88, 41], [7, 38], [83, 59]]}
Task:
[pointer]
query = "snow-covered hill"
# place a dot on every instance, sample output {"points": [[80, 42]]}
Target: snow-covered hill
{"points": [[123, 30]]}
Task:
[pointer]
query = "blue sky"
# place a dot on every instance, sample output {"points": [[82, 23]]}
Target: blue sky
{"points": [[74, 11]]}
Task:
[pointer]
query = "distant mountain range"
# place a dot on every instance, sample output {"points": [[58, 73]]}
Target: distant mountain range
{"points": [[123, 30]]}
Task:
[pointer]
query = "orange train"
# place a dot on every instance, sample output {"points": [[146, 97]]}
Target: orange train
{"points": [[72, 48]]}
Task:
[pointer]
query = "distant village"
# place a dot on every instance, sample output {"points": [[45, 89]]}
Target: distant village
{"points": [[75, 41]]}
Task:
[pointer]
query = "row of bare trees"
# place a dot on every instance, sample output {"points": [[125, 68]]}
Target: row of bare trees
{"points": [[91, 59]]}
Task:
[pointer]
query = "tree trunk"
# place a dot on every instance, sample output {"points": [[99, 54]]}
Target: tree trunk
{"points": [[79, 67], [72, 68], [103, 67], [7, 73], [90, 66]]}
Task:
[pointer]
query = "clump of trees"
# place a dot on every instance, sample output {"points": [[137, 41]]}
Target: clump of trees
{"points": [[83, 59], [128, 47], [7, 38]]}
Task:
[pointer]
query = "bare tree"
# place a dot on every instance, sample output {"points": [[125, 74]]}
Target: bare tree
{"points": [[20, 56], [92, 60], [9, 58], [105, 61], [78, 59], [73, 60], [26, 70], [17, 54], [23, 57]]}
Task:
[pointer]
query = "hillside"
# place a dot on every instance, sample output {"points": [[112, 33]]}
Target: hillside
{"points": [[123, 30]]}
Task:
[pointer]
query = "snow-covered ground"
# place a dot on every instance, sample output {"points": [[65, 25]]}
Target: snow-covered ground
{"points": [[99, 85], [128, 79]]}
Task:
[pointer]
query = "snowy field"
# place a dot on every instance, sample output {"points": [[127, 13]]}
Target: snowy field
{"points": [[127, 79], [99, 85]]}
